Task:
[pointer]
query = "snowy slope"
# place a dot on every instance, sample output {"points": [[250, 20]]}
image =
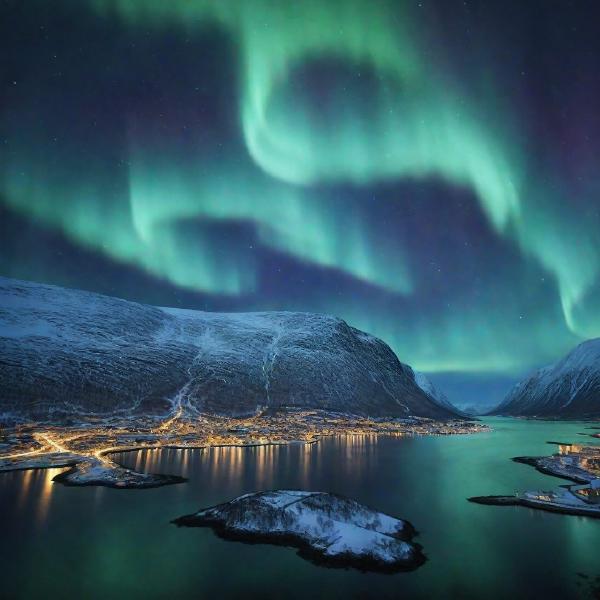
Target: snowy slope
{"points": [[329, 526], [569, 388], [433, 392], [69, 353]]}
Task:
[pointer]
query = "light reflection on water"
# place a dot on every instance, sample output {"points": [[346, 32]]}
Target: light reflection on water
{"points": [[261, 464], [100, 542], [35, 487]]}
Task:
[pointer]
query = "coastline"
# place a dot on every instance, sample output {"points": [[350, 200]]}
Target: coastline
{"points": [[547, 506], [86, 449], [578, 464]]}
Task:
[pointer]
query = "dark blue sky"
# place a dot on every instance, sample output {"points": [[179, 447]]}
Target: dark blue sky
{"points": [[426, 170]]}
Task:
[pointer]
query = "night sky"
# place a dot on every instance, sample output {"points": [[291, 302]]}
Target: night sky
{"points": [[428, 171]]}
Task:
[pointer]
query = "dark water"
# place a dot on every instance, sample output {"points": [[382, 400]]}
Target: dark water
{"points": [[96, 542]]}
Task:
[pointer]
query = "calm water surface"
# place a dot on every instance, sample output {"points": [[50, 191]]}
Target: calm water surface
{"points": [[98, 542]]}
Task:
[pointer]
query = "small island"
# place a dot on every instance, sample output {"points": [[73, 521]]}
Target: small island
{"points": [[580, 464], [326, 528]]}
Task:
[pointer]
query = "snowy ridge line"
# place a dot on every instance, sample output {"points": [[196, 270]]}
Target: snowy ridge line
{"points": [[570, 388], [66, 350]]}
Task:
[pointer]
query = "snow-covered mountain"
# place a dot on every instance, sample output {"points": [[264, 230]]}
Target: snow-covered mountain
{"points": [[569, 388], [68, 353]]}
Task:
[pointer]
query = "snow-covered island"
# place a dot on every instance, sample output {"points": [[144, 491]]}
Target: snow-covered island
{"points": [[580, 464], [326, 528]]}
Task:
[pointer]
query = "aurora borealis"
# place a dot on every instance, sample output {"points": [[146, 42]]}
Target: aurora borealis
{"points": [[428, 171]]}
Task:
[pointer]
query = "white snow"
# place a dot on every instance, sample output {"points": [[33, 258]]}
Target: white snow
{"points": [[86, 353], [555, 388], [330, 524]]}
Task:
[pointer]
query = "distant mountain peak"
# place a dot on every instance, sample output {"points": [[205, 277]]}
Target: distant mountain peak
{"points": [[569, 388]]}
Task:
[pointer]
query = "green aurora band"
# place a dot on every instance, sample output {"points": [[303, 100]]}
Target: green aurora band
{"points": [[403, 118]]}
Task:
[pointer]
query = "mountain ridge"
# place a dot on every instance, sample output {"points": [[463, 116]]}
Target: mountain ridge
{"points": [[568, 388], [69, 353]]}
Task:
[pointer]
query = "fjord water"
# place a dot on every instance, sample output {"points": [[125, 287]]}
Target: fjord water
{"points": [[98, 542]]}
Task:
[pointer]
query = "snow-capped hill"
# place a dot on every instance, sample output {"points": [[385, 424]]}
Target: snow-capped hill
{"points": [[569, 388], [68, 353]]}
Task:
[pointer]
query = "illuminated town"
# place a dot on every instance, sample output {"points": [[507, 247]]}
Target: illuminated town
{"points": [[87, 447]]}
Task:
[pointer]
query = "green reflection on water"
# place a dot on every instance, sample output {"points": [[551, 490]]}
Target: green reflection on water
{"points": [[101, 542]]}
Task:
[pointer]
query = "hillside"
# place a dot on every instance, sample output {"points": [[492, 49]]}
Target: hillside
{"points": [[66, 354]]}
